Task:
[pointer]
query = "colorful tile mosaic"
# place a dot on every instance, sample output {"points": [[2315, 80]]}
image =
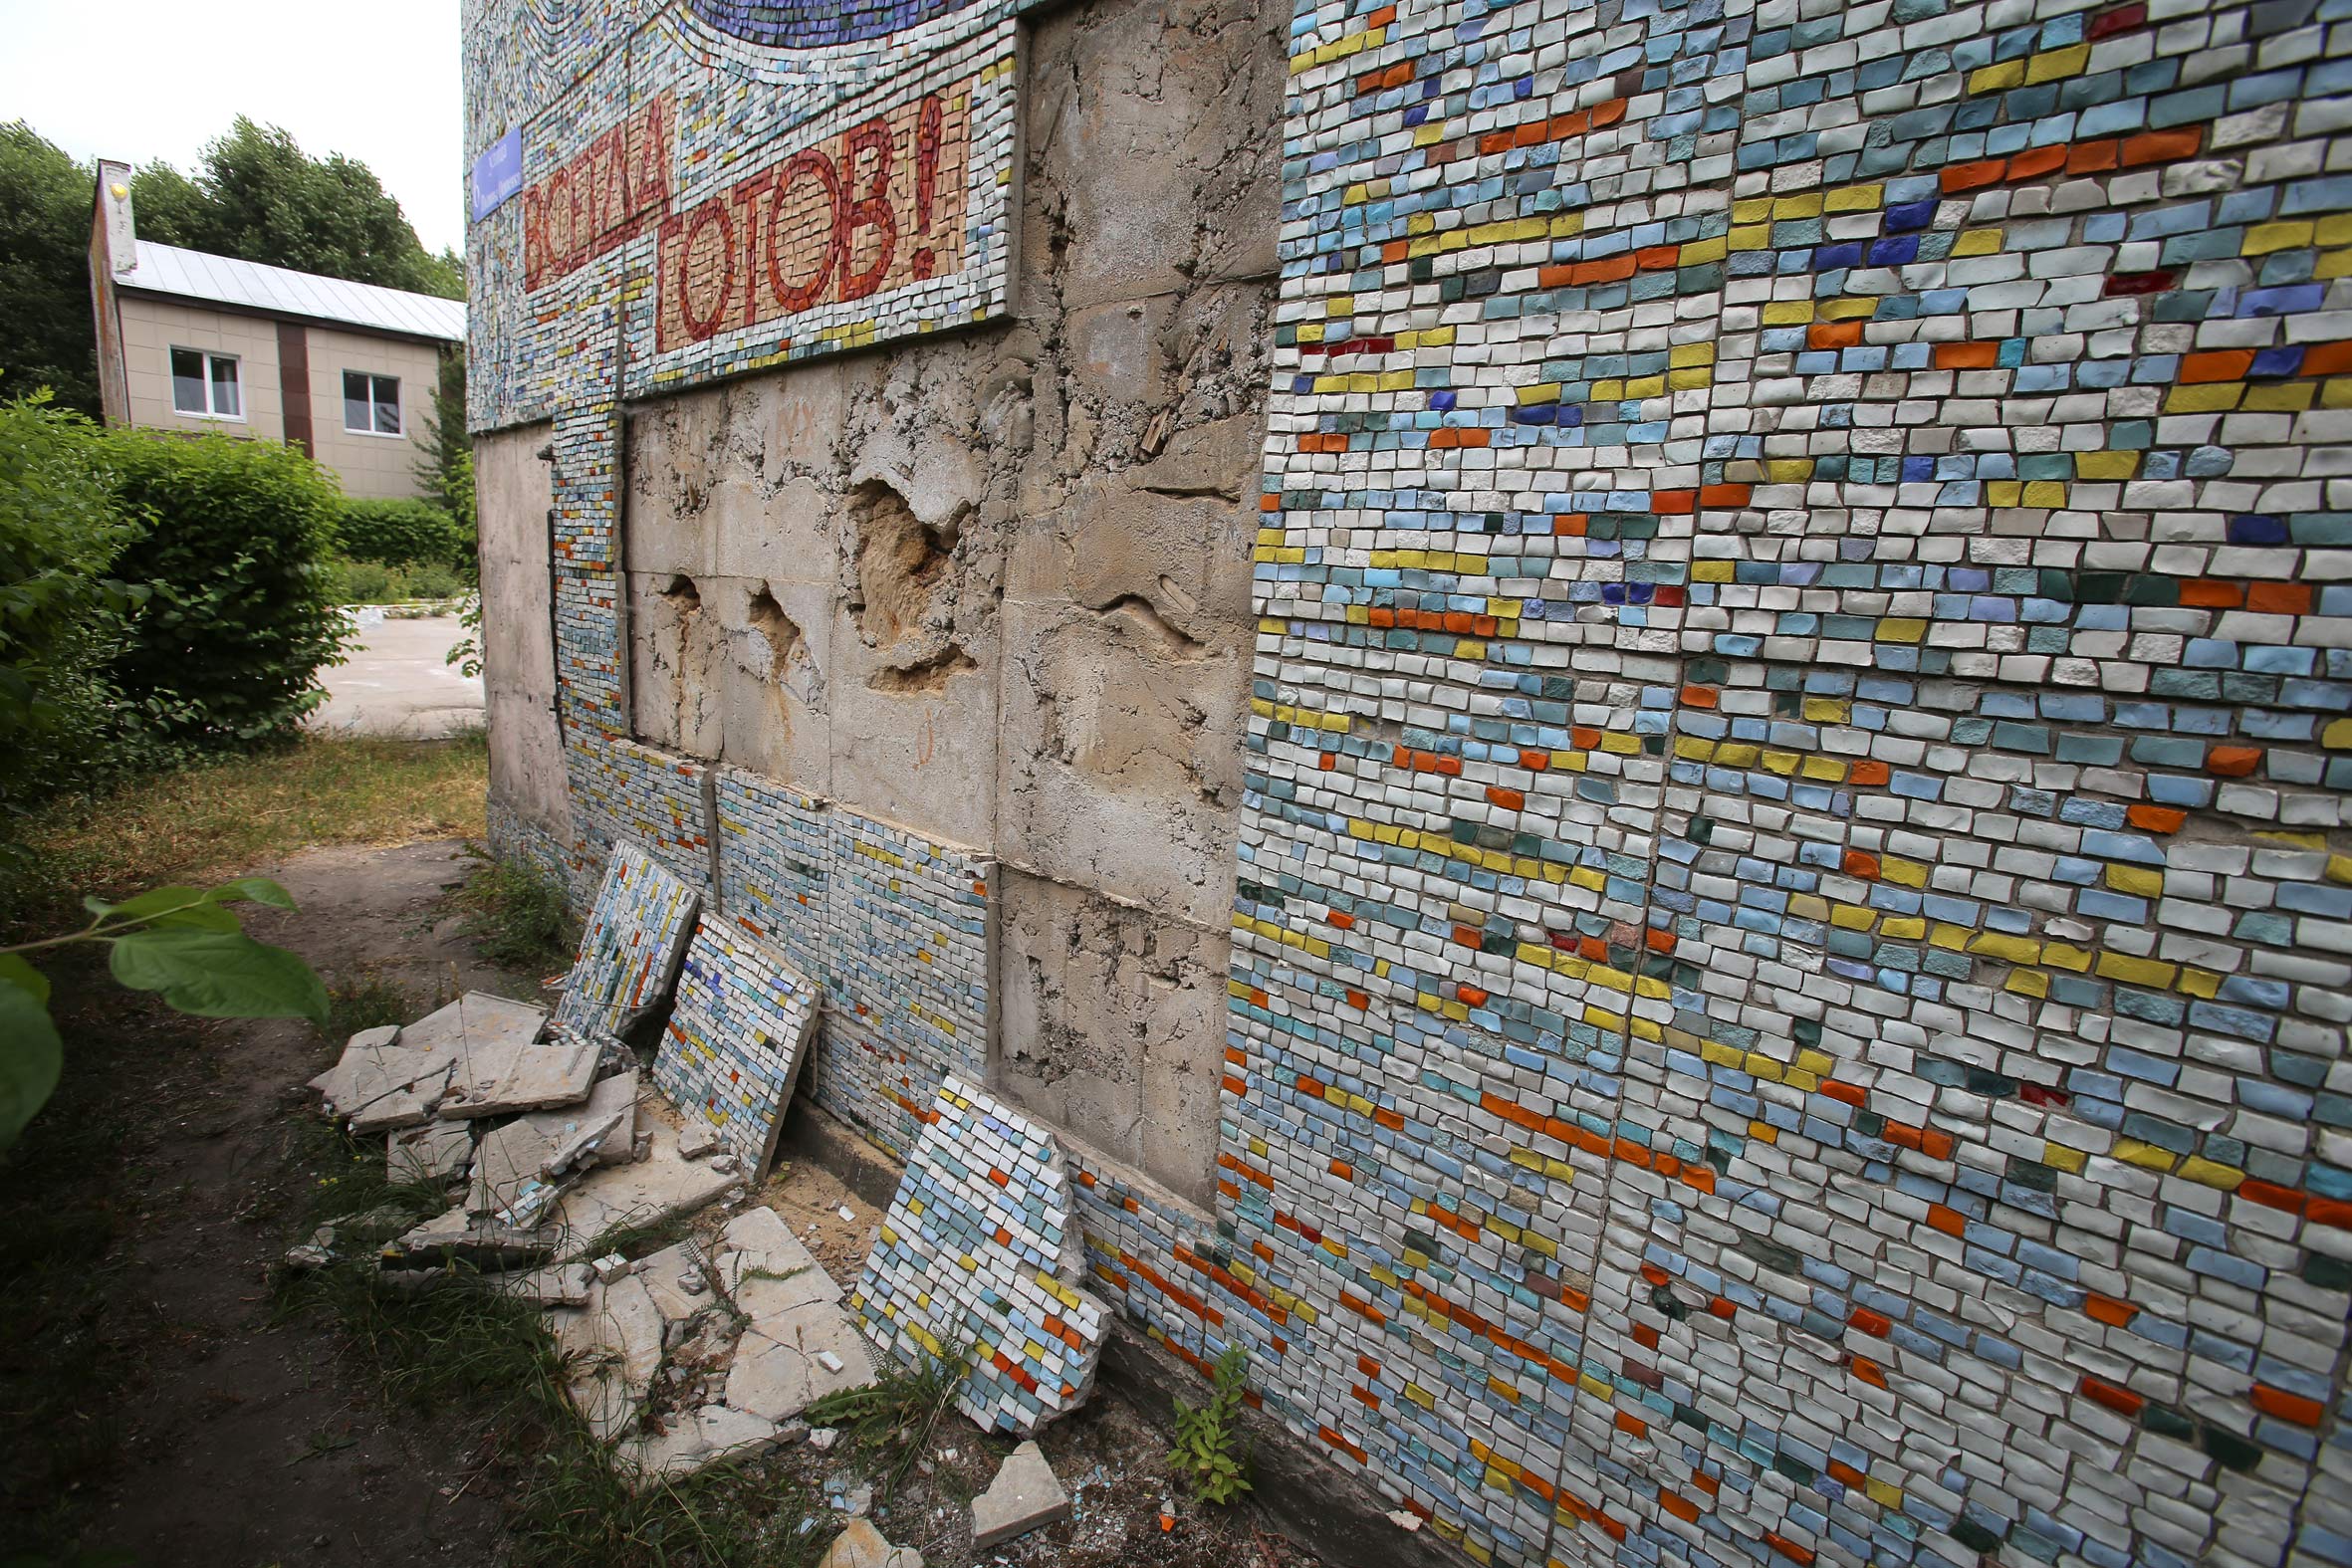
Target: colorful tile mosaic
{"points": [[1790, 959], [899, 930], [628, 953], [623, 790], [975, 1256], [710, 188], [734, 1044], [1794, 912]]}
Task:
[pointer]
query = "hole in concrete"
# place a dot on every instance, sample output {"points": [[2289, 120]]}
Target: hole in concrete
{"points": [[924, 675], [683, 594], [767, 617], [903, 564]]}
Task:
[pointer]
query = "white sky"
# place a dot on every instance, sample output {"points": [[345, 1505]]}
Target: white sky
{"points": [[141, 79]]}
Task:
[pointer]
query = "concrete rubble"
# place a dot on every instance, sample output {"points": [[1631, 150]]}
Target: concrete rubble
{"points": [[1026, 1494], [863, 1546]]}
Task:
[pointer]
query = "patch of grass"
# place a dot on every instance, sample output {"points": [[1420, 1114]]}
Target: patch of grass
{"points": [[235, 814], [354, 1180], [368, 1001], [894, 1415], [492, 1355], [631, 1238], [515, 915]]}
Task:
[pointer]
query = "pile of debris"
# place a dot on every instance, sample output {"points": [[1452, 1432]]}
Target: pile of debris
{"points": [[544, 1136]]}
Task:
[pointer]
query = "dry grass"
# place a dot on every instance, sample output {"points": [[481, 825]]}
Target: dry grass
{"points": [[220, 818]]}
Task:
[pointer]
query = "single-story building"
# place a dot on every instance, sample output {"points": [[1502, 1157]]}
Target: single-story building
{"points": [[194, 342]]}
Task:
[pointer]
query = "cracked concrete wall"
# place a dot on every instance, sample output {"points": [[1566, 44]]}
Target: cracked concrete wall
{"points": [[994, 586], [516, 488]]}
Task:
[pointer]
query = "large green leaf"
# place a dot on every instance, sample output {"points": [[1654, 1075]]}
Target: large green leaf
{"points": [[252, 889], [14, 968], [30, 1056], [155, 901], [219, 975]]}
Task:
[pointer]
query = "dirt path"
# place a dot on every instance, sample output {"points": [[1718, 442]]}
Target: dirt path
{"points": [[244, 1443]]}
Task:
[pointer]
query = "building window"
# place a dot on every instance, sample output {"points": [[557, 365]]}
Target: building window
{"points": [[206, 384], [370, 403]]}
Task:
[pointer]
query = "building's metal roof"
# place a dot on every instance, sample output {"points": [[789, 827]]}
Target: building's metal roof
{"points": [[223, 280]]}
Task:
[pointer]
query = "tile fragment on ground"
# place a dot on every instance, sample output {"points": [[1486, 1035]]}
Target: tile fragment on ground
{"points": [[1025, 1494]]}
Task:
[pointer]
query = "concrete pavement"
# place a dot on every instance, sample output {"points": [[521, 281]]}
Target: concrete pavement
{"points": [[397, 684]]}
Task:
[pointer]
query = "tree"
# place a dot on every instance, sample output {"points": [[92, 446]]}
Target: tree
{"points": [[445, 456], [259, 196], [45, 329]]}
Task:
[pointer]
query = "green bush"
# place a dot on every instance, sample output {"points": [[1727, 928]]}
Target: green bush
{"points": [[235, 552], [403, 534], [62, 612], [372, 583]]}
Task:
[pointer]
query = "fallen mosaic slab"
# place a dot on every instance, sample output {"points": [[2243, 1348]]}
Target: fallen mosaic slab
{"points": [[636, 931], [734, 1041], [972, 1257]]}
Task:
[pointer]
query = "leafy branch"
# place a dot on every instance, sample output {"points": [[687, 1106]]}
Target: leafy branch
{"points": [[184, 944]]}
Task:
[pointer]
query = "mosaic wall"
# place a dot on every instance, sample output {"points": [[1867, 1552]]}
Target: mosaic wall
{"points": [[970, 1263], [1791, 958], [899, 930], [709, 189], [635, 931], [734, 1042], [1795, 913]]}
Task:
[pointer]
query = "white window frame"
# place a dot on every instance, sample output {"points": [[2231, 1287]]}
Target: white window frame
{"points": [[209, 357], [374, 376]]}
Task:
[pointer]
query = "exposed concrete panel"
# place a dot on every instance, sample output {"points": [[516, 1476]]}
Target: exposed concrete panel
{"points": [[1115, 1027], [515, 490], [994, 586]]}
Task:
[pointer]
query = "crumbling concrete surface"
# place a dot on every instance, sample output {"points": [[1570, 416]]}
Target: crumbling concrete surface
{"points": [[995, 585]]}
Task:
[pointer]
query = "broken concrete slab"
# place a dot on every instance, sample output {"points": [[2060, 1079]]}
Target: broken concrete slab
{"points": [[786, 1361], [678, 1280], [694, 1441], [438, 1151], [612, 1349], [474, 1238], [556, 1285], [643, 1192], [1026, 1494], [765, 1269], [863, 1546], [335, 1084], [405, 1106], [535, 1151], [521, 1075]]}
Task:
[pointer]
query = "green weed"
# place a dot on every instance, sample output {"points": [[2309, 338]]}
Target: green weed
{"points": [[893, 1417], [1211, 1455], [367, 1002], [515, 915]]}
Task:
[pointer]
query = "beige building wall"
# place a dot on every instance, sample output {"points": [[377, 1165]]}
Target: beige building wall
{"points": [[371, 465], [151, 329]]}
